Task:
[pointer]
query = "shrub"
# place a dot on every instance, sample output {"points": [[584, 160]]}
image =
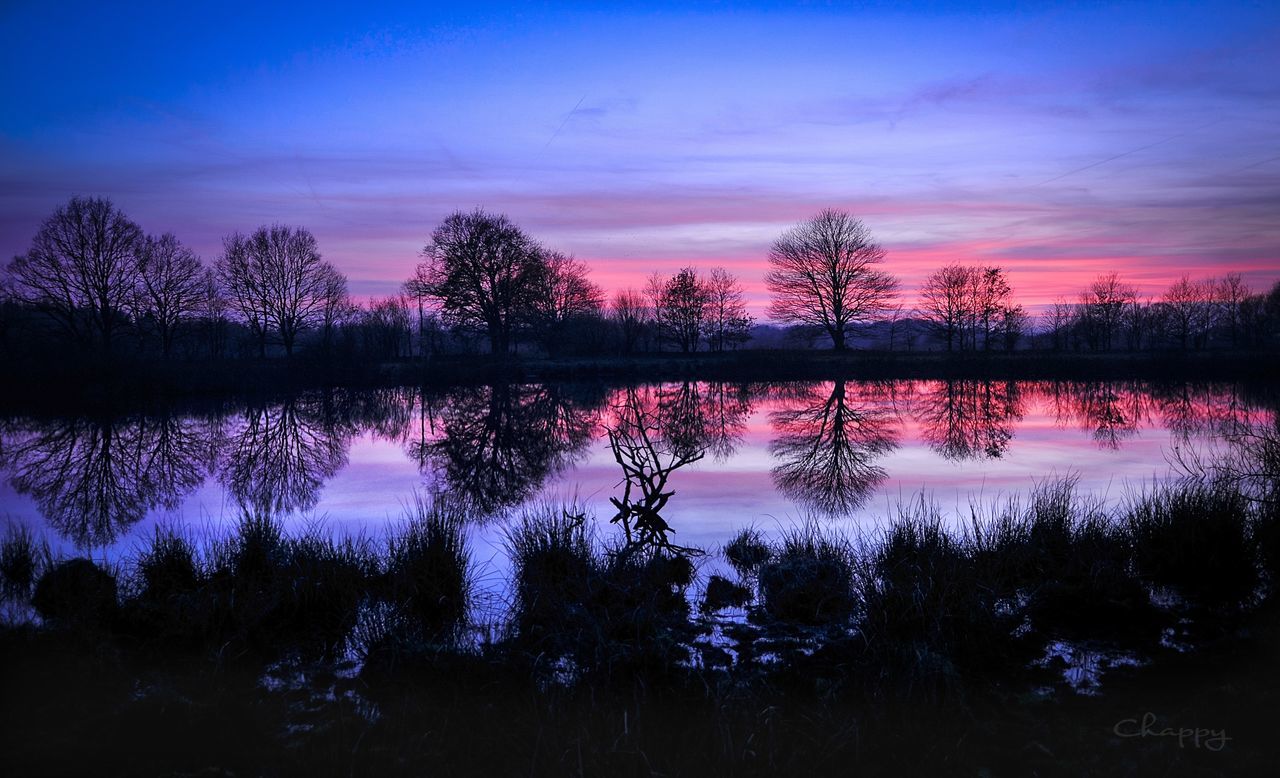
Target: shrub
{"points": [[722, 593], [76, 592]]}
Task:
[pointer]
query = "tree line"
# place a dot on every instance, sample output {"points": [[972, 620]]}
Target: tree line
{"points": [[93, 282]]}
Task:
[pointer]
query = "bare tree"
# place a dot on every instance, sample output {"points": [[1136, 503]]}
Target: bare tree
{"points": [[563, 295], [1186, 303], [1057, 321], [335, 304], [243, 280], [276, 280], [418, 289], [682, 309], [632, 314], [824, 274], [484, 270], [943, 301], [170, 287], [1229, 294], [213, 312], [386, 326], [1012, 325], [653, 290], [728, 324], [962, 303], [1102, 308], [989, 294], [80, 269]]}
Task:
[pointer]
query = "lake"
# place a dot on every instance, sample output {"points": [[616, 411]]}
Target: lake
{"points": [[844, 453]]}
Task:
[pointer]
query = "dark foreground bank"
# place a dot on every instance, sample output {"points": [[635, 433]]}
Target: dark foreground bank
{"points": [[1048, 638]]}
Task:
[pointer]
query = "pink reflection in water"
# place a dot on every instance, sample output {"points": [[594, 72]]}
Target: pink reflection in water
{"points": [[848, 452]]}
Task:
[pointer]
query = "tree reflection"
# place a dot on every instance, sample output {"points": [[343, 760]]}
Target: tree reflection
{"points": [[696, 417], [497, 445], [969, 419], [829, 447], [94, 477], [1109, 411], [280, 456]]}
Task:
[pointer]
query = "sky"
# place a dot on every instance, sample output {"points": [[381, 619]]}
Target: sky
{"points": [[1058, 141]]}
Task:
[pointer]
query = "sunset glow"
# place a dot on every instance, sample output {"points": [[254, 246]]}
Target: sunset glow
{"points": [[1058, 142]]}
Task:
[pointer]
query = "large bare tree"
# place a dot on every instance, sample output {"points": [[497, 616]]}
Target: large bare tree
{"points": [[170, 287], [276, 280], [80, 269], [484, 270], [824, 274]]}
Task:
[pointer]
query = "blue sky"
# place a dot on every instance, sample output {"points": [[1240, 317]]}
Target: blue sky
{"points": [[1059, 140]]}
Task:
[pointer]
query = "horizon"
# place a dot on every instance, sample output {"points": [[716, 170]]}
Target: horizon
{"points": [[1058, 143]]}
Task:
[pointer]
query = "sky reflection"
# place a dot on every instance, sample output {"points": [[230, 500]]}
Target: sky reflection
{"points": [[847, 453]]}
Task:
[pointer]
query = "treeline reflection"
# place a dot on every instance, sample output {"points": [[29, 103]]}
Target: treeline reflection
{"points": [[93, 477]]}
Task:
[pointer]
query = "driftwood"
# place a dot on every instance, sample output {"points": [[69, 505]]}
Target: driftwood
{"points": [[646, 466]]}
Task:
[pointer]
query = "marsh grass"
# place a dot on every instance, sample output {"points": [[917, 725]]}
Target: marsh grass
{"points": [[168, 567], [428, 572], [1195, 537], [747, 551], [22, 559], [610, 608]]}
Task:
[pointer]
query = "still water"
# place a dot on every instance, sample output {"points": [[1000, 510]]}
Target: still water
{"points": [[846, 453]]}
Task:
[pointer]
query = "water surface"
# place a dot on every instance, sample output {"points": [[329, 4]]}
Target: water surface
{"points": [[846, 453]]}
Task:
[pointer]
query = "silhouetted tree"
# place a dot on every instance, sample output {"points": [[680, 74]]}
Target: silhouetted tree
{"points": [[682, 308], [277, 282], [727, 323], [1101, 310], [943, 302], [212, 312], [1229, 294], [1187, 310], [823, 273], [564, 300], [418, 289], [171, 287], [988, 300], [335, 305], [386, 327], [632, 315], [1058, 319], [485, 272], [80, 270]]}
